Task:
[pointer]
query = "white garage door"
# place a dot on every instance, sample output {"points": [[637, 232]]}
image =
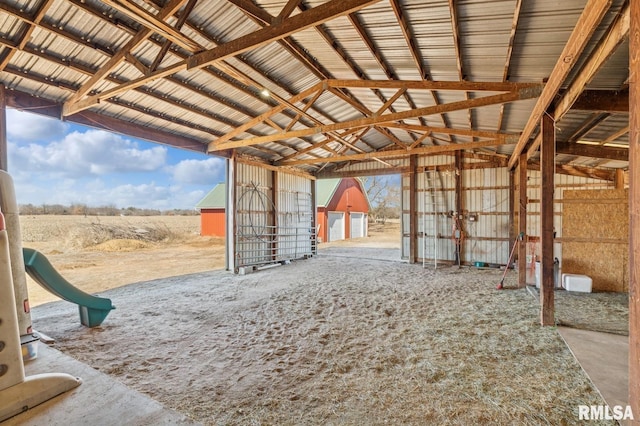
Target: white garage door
{"points": [[336, 226], [358, 225]]}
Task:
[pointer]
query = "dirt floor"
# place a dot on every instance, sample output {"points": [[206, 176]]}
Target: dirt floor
{"points": [[351, 336]]}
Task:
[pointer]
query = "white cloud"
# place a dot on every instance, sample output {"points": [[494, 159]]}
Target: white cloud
{"points": [[28, 127], [200, 172], [98, 193], [93, 152]]}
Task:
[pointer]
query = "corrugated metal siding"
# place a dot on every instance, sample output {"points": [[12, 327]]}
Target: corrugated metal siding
{"points": [[296, 228], [254, 215], [260, 239], [486, 195], [435, 199]]}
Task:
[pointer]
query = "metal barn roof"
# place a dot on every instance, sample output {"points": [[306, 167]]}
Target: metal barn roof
{"points": [[327, 86], [215, 199]]}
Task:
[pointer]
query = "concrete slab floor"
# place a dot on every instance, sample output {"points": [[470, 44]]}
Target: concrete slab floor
{"points": [[99, 400], [605, 359]]}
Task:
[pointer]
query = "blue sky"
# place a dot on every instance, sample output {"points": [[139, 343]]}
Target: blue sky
{"points": [[55, 162]]}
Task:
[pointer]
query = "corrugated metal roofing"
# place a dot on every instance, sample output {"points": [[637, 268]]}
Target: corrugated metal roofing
{"points": [[215, 199], [385, 40]]}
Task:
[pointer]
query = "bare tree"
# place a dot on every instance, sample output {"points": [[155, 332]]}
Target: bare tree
{"points": [[384, 196]]}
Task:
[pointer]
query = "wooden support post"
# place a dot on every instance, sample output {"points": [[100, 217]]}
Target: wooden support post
{"points": [[619, 179], [522, 219], [459, 204], [3, 128], [634, 211], [276, 210], [547, 167], [314, 217], [413, 211]]}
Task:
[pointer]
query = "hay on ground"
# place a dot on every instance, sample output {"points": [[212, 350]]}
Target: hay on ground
{"points": [[334, 340]]}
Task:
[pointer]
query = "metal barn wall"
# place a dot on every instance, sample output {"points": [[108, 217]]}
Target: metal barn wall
{"points": [[296, 219], [274, 216], [435, 199], [486, 200], [254, 215]]}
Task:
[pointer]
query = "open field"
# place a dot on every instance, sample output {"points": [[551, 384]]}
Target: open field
{"points": [[351, 336], [75, 246]]}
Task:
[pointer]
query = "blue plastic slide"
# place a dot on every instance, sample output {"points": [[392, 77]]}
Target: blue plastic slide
{"points": [[93, 309]]}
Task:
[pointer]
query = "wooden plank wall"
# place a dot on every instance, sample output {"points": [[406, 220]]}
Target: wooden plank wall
{"points": [[595, 237]]}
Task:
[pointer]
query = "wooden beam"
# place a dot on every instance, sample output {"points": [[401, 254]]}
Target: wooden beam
{"points": [[465, 86], [399, 153], [413, 209], [593, 151], [26, 35], [618, 183], [167, 44], [589, 20], [522, 219], [459, 206], [154, 23], [507, 65], [611, 101], [310, 18], [368, 121], [547, 311], [24, 101], [508, 137], [113, 62], [634, 211], [614, 37], [580, 171]]}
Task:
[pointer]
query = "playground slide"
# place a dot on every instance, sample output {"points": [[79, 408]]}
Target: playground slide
{"points": [[93, 309]]}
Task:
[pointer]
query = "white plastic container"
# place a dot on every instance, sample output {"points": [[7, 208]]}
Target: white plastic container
{"points": [[556, 274], [575, 282]]}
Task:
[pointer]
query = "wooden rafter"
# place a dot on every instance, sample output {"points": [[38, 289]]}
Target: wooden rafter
{"points": [[384, 65], [310, 18], [71, 106], [468, 86], [616, 34], [26, 35], [507, 64], [590, 18], [307, 19], [509, 137], [287, 10], [594, 151], [527, 93], [418, 60], [399, 153], [167, 44], [151, 22], [453, 12], [602, 100]]}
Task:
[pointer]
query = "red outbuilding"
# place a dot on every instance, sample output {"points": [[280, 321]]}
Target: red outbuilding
{"points": [[343, 210]]}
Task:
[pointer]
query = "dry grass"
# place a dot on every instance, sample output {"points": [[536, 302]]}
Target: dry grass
{"points": [[92, 230], [316, 343], [604, 312]]}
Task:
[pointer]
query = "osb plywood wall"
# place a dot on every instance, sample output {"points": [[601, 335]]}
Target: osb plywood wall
{"points": [[595, 237]]}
